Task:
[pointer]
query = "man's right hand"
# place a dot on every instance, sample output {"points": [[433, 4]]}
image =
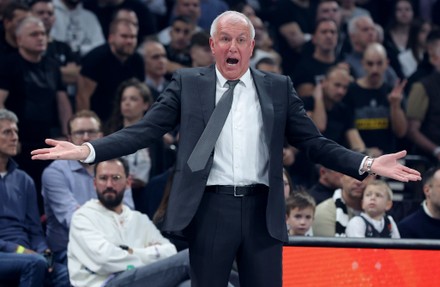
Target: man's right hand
{"points": [[61, 150]]}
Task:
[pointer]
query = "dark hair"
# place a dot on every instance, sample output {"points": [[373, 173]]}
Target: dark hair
{"points": [[267, 61], [183, 19], [413, 37], [393, 21], [116, 120], [119, 159], [320, 21], [429, 174], [8, 13], [115, 24], [200, 39], [433, 36], [33, 2], [301, 200], [83, 114]]}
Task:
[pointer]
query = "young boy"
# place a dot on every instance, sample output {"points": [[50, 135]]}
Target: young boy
{"points": [[373, 221], [300, 211]]}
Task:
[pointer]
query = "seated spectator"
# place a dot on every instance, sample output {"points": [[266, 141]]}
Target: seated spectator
{"points": [[362, 32], [397, 35], [68, 184], [189, 9], [22, 242], [200, 51], [330, 113], [112, 245], [106, 66], [424, 107], [332, 215], [105, 12], [76, 26], [268, 64], [300, 212], [373, 221], [311, 68], [425, 222], [377, 105], [328, 181], [156, 61], [288, 184], [133, 99], [178, 48], [13, 14]]}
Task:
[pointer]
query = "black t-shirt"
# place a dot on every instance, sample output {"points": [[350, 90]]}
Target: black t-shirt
{"points": [[308, 69], [339, 120], [372, 116], [32, 94], [101, 66], [61, 52]]}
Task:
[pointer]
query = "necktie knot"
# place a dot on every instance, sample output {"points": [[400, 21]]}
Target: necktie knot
{"points": [[232, 83]]}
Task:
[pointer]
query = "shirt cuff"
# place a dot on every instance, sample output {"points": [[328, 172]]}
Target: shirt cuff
{"points": [[361, 172], [92, 155]]}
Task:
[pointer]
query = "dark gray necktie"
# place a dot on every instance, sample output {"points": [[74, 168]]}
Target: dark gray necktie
{"points": [[199, 156]]}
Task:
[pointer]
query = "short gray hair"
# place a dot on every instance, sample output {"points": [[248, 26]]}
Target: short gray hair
{"points": [[8, 115], [26, 21], [352, 24], [235, 15]]}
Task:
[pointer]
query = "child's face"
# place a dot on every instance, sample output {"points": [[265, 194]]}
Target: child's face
{"points": [[376, 201], [300, 220]]}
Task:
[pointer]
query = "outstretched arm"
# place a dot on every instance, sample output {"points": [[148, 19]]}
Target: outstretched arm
{"points": [[388, 165], [61, 150]]}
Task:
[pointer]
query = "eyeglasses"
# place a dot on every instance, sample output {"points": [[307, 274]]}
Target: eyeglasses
{"points": [[82, 133], [115, 178]]}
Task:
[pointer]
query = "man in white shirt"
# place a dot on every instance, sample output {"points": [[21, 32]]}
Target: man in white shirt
{"points": [[112, 245]]}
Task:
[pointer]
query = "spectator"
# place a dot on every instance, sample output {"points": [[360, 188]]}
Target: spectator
{"points": [[288, 184], [106, 10], [21, 235], [76, 26], [31, 86], [68, 184], [330, 113], [300, 211], [108, 65], [263, 43], [425, 222], [209, 9], [133, 99], [397, 35], [349, 11], [14, 12], [156, 61], [423, 107], [268, 64], [200, 51], [362, 32], [373, 221], [333, 214], [107, 239], [378, 108], [57, 50], [328, 181], [178, 48], [325, 39], [182, 8]]}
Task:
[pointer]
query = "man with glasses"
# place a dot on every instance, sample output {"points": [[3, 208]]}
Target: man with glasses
{"points": [[68, 184], [112, 245]]}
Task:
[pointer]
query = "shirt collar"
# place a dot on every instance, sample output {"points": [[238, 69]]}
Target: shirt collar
{"points": [[246, 79]]}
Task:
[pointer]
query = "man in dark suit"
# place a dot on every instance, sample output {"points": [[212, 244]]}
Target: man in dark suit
{"points": [[233, 207]]}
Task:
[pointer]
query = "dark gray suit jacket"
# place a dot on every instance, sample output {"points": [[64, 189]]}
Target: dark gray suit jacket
{"points": [[189, 101]]}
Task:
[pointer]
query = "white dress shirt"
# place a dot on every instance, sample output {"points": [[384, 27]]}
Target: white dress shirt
{"points": [[241, 154]]}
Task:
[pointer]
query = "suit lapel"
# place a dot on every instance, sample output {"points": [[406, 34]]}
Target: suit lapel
{"points": [[263, 85], [205, 87]]}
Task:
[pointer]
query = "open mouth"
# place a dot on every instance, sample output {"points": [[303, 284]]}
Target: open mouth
{"points": [[231, 61]]}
